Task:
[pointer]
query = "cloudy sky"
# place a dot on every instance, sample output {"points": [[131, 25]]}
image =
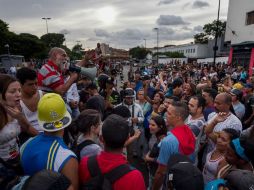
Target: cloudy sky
{"points": [[119, 23]]}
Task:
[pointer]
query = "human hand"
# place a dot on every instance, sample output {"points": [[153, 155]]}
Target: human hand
{"points": [[137, 133], [74, 76], [147, 158], [161, 108], [14, 112], [134, 120], [221, 116]]}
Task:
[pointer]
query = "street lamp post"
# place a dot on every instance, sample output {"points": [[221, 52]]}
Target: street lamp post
{"points": [[157, 29], [145, 43], [46, 19], [215, 48]]}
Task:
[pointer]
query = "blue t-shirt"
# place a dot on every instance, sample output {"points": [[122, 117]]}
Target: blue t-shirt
{"points": [[168, 146], [207, 111], [44, 152]]}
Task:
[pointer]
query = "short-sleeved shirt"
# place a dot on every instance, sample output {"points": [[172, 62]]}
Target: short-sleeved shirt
{"points": [[8, 140], [44, 152], [89, 150], [231, 122], [168, 146], [239, 109], [49, 77], [108, 161]]}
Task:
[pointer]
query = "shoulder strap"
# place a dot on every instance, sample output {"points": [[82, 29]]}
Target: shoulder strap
{"points": [[118, 172], [93, 166], [84, 144], [81, 146], [133, 110]]}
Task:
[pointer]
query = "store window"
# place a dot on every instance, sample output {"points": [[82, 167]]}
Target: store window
{"points": [[250, 18]]}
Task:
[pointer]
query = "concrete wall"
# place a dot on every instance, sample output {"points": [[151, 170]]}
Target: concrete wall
{"points": [[236, 21]]}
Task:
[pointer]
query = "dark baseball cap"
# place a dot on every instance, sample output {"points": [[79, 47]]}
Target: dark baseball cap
{"points": [[146, 77], [183, 174], [240, 180]]}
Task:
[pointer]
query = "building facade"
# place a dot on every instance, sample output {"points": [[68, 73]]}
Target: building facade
{"points": [[240, 33], [240, 21]]}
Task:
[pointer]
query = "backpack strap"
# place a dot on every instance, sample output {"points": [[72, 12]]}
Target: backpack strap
{"points": [[93, 166], [118, 172], [82, 145], [112, 175]]}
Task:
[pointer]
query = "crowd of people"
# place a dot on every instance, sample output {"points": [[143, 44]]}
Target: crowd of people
{"points": [[182, 126]]}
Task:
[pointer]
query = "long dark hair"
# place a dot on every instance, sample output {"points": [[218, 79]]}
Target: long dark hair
{"points": [[5, 81], [87, 119], [160, 122]]}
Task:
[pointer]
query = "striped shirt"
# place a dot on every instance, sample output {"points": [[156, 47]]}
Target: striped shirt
{"points": [[49, 77], [44, 152]]}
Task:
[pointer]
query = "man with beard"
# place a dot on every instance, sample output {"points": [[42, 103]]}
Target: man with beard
{"points": [[221, 119], [50, 77], [139, 147]]}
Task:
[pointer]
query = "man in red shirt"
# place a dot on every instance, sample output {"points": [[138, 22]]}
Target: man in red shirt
{"points": [[112, 156], [50, 78]]}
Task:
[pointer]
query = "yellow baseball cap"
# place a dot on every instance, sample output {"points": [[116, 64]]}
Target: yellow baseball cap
{"points": [[238, 86], [52, 113]]}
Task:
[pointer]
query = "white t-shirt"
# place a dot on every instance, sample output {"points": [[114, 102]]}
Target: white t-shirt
{"points": [[32, 117], [8, 140], [231, 122]]}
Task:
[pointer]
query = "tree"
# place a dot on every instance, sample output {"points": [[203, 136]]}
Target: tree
{"points": [[30, 46], [201, 38], [53, 39], [210, 31], [139, 52], [210, 28], [76, 53]]}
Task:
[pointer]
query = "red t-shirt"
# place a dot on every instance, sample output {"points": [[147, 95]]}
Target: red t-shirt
{"points": [[108, 161], [49, 77]]}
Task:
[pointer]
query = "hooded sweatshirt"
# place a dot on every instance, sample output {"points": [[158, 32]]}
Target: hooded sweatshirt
{"points": [[185, 138]]}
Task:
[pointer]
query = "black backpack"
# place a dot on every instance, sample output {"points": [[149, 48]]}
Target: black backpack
{"points": [[77, 148], [101, 181]]}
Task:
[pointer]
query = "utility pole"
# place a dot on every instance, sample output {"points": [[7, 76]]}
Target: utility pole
{"points": [[215, 48], [46, 19], [157, 29]]}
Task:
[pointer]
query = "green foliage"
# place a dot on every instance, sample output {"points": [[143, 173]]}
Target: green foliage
{"points": [[210, 31], [76, 53], [201, 38], [210, 28], [139, 52], [28, 45], [53, 39]]}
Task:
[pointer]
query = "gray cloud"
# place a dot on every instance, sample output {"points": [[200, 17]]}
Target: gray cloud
{"points": [[170, 20], [101, 33], [165, 2], [134, 21], [64, 31], [198, 28], [200, 4], [186, 28]]}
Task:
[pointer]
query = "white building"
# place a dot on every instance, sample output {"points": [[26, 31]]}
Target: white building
{"points": [[240, 21], [189, 50], [105, 50]]}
